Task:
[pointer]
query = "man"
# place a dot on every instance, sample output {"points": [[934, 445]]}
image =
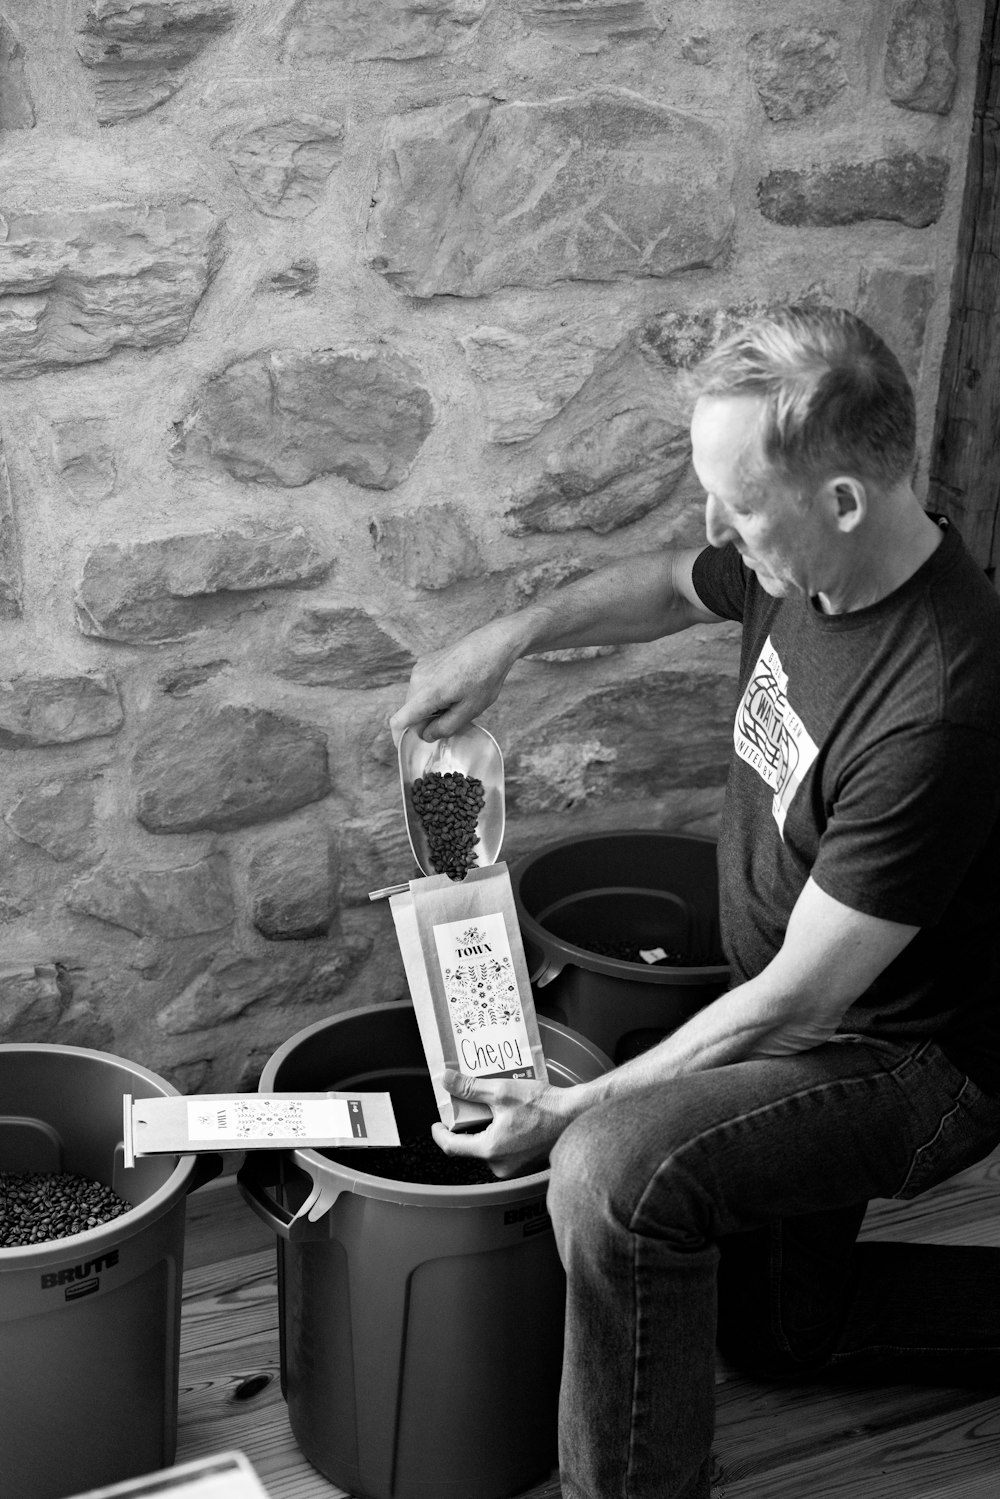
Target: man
{"points": [[713, 1187]]}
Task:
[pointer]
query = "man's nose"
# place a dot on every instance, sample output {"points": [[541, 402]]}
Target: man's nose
{"points": [[717, 528]]}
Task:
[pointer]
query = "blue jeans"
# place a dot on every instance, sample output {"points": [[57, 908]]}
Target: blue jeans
{"points": [[725, 1205]]}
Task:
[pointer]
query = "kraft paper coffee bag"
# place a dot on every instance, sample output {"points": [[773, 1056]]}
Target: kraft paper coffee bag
{"points": [[468, 978]]}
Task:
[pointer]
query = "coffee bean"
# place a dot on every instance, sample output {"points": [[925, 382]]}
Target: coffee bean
{"points": [[419, 1158], [448, 804], [36, 1206]]}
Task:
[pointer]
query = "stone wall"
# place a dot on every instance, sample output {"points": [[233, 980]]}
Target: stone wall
{"points": [[330, 328]]}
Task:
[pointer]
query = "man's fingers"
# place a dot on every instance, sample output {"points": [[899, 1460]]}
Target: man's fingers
{"points": [[463, 1085], [412, 716], [457, 1143]]}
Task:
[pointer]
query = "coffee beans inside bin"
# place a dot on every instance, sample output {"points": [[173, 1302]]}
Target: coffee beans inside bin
{"points": [[448, 804], [37, 1206]]}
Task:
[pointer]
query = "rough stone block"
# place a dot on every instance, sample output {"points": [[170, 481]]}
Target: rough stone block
{"points": [[396, 29], [698, 47], [58, 816], [612, 455], [76, 284], [475, 194], [17, 112], [231, 987], [31, 997], [526, 380], [292, 882], [10, 551], [896, 301], [295, 280], [331, 647], [148, 592], [605, 475], [284, 166], [796, 70], [678, 340], [12, 906], [431, 548], [543, 577], [372, 853], [644, 737], [84, 454], [921, 55], [219, 767], [619, 20], [139, 49], [178, 902], [40, 710], [185, 679], [907, 188], [288, 416], [194, 1077]]}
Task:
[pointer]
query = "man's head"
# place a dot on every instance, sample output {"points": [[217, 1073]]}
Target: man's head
{"points": [[803, 424], [834, 396]]}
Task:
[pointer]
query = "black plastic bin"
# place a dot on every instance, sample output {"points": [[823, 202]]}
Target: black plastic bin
{"points": [[90, 1323], [650, 889], [421, 1325]]}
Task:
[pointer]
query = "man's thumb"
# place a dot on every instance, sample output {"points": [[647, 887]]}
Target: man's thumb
{"points": [[460, 1084]]}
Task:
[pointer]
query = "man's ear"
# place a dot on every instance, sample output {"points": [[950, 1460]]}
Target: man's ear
{"points": [[847, 500]]}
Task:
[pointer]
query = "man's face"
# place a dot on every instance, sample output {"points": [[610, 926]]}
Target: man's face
{"points": [[779, 537]]}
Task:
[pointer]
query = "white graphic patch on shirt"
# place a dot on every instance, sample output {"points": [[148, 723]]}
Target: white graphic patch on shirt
{"points": [[770, 736]]}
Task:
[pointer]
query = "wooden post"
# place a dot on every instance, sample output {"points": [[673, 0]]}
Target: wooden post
{"points": [[965, 458]]}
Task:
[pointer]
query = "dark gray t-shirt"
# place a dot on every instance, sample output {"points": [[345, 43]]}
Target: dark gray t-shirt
{"points": [[867, 754]]}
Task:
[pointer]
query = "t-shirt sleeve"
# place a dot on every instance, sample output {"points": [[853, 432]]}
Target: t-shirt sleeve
{"points": [[720, 580], [910, 819]]}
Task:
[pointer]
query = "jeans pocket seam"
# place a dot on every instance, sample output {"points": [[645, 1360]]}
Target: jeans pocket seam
{"points": [[921, 1152]]}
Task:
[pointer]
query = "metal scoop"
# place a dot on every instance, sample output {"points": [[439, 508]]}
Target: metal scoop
{"points": [[474, 752]]}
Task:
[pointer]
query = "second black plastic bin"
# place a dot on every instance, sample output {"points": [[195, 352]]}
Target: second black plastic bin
{"points": [[650, 889]]}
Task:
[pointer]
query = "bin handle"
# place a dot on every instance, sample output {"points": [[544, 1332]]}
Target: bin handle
{"points": [[207, 1167], [546, 971], [254, 1176]]}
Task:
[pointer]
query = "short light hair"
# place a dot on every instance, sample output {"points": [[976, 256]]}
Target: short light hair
{"points": [[836, 397]]}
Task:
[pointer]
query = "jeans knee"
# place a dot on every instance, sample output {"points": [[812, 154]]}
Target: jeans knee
{"points": [[602, 1173], [587, 1176], [573, 1170]]}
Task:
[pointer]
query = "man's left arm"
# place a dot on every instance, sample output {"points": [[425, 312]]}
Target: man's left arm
{"points": [[830, 956]]}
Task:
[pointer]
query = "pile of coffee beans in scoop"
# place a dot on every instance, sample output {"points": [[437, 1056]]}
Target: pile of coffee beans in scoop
{"points": [[448, 804], [36, 1206]]}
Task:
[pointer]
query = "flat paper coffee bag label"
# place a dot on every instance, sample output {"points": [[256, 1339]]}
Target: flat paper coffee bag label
{"points": [[255, 1121], [242, 1120], [484, 1006]]}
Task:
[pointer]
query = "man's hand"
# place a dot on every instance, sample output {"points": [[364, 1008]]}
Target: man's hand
{"points": [[452, 686], [528, 1118]]}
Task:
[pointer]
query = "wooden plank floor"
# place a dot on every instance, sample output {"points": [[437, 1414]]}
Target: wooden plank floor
{"points": [[898, 1442]]}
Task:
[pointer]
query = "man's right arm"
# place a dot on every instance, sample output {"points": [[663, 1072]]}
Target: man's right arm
{"points": [[639, 598]]}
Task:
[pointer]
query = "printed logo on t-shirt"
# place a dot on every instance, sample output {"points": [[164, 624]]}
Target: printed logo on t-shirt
{"points": [[770, 736]]}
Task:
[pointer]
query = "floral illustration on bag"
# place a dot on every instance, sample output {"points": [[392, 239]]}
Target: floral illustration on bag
{"points": [[483, 991], [246, 1118]]}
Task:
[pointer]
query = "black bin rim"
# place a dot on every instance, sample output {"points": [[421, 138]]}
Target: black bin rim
{"points": [[572, 955], [386, 1188]]}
